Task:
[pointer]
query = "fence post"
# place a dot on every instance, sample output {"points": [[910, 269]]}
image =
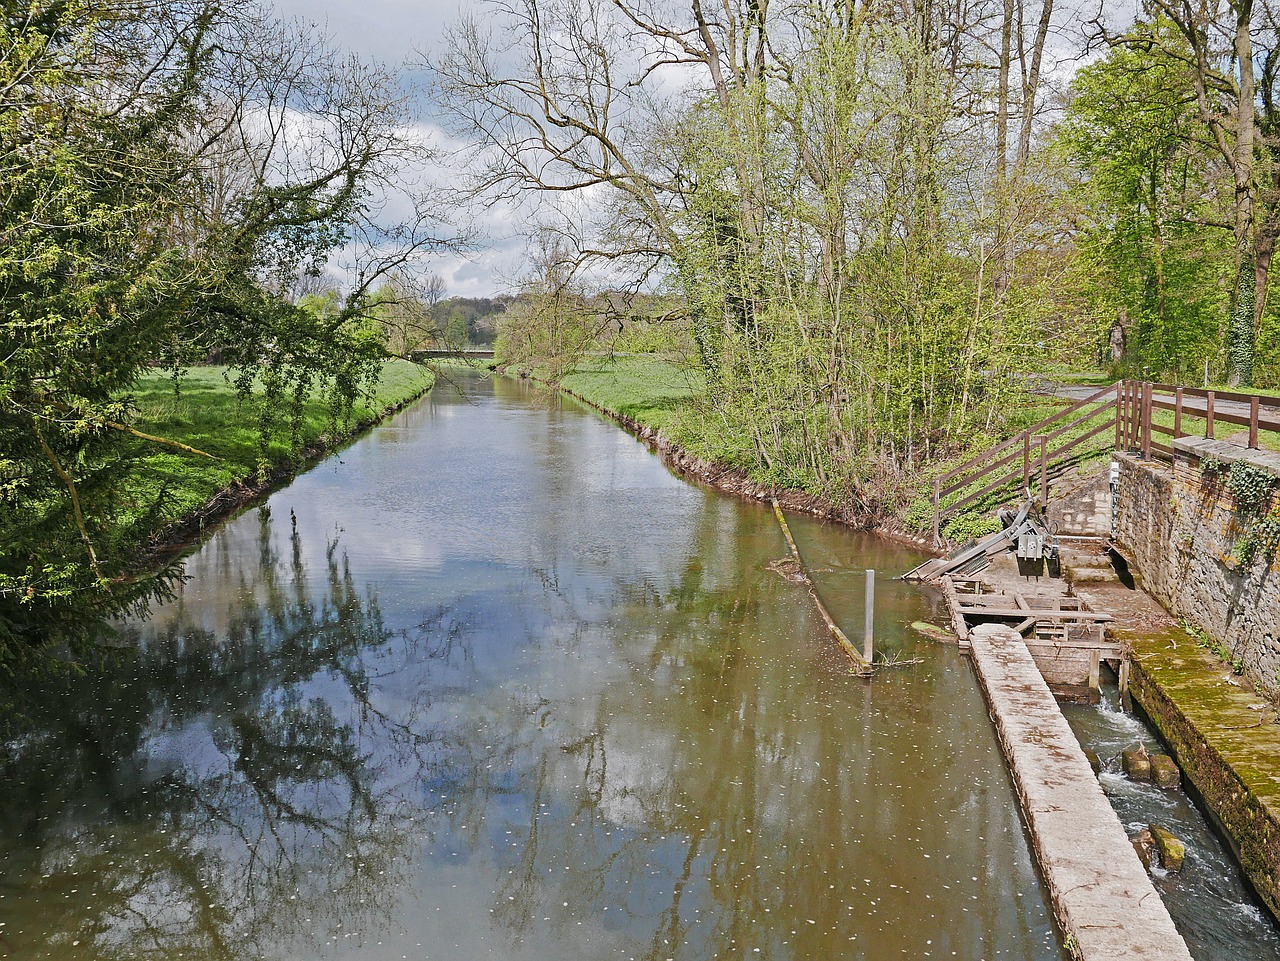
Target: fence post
{"points": [[1026, 460], [1044, 470], [1146, 419], [1119, 409], [1208, 416], [870, 621], [1135, 417], [1126, 406], [1128, 415], [937, 516], [1253, 422], [1177, 413]]}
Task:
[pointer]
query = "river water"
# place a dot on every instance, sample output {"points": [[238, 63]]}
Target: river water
{"points": [[493, 684], [1210, 901]]}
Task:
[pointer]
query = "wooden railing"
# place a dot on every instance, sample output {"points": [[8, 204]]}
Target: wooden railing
{"points": [[1136, 423], [1129, 408], [1028, 451]]}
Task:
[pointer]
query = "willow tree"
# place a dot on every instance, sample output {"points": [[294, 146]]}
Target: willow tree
{"points": [[162, 165]]}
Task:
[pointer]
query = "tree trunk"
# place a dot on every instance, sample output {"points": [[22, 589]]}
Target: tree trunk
{"points": [[1241, 330]]}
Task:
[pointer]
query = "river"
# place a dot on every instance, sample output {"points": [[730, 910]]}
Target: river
{"points": [[492, 683]]}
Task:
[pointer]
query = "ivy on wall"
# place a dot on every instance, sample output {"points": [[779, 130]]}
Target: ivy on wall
{"points": [[1252, 489]]}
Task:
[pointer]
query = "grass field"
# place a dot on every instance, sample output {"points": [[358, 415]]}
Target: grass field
{"points": [[166, 485], [666, 396]]}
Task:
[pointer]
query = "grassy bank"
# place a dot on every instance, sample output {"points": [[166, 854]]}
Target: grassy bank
{"points": [[668, 397], [167, 487], [671, 398]]}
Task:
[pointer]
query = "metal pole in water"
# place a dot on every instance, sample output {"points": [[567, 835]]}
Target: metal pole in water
{"points": [[871, 616]]}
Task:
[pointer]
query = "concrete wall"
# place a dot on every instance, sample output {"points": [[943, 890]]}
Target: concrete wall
{"points": [[1178, 529]]}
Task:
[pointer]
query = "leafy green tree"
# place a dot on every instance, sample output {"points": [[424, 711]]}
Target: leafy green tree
{"points": [[1155, 238], [162, 166]]}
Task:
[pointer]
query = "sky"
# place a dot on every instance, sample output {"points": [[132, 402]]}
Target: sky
{"points": [[397, 32]]}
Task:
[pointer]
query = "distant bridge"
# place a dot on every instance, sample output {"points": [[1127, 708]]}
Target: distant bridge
{"points": [[435, 353]]}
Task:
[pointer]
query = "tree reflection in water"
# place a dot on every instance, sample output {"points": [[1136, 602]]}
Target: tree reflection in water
{"points": [[209, 796], [564, 761]]}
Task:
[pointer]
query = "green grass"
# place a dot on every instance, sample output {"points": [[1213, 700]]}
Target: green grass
{"points": [[651, 390], [671, 398], [166, 485]]}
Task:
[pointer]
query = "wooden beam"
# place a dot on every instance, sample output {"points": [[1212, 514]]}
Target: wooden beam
{"points": [[1045, 615], [953, 602]]}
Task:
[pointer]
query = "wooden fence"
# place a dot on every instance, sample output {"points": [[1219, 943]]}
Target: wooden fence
{"points": [[1210, 409], [1130, 409], [1026, 454]]}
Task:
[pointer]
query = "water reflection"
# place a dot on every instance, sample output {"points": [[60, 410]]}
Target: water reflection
{"points": [[204, 798], [527, 698]]}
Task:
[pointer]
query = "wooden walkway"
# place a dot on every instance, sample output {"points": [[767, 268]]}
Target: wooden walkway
{"points": [[1066, 639]]}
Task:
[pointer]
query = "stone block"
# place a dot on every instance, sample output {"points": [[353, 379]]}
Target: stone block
{"points": [[1165, 772], [1144, 844], [1137, 764], [1172, 851]]}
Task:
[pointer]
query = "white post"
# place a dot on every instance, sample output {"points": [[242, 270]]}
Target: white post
{"points": [[871, 616]]}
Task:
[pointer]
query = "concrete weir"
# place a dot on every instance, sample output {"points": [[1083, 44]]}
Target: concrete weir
{"points": [[1102, 897]]}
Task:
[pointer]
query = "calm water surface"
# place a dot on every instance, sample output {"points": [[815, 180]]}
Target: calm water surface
{"points": [[493, 684]]}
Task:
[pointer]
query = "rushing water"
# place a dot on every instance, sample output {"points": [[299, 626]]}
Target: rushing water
{"points": [[1209, 900], [493, 684]]}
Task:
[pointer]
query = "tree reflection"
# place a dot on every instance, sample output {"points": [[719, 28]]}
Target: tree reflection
{"points": [[282, 764], [214, 795]]}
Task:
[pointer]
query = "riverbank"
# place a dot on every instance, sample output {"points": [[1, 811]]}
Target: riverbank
{"points": [[656, 408], [172, 496], [664, 403], [658, 402]]}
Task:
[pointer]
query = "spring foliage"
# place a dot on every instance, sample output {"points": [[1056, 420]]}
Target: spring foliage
{"points": [[164, 166]]}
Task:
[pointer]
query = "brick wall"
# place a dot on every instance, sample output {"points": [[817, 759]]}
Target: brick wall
{"points": [[1179, 530]]}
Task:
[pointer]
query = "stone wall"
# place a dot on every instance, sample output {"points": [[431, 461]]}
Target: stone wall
{"points": [[1179, 529]]}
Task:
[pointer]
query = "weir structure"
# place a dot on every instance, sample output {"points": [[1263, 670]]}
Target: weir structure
{"points": [[1102, 897], [1186, 545]]}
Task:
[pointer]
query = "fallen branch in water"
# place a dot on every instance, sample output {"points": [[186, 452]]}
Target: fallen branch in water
{"points": [[859, 662]]}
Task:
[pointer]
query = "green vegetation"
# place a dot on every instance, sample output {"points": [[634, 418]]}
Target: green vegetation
{"points": [[656, 392], [861, 229], [1253, 490], [1215, 647], [171, 173], [166, 485]]}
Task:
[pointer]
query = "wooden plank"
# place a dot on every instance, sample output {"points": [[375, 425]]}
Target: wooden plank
{"points": [[978, 495], [1066, 412], [1269, 400], [1267, 419], [953, 601], [1083, 419], [1071, 444], [861, 665], [966, 481], [1046, 615]]}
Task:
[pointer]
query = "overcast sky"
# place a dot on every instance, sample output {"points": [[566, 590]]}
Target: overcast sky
{"points": [[396, 32]]}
